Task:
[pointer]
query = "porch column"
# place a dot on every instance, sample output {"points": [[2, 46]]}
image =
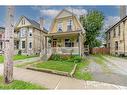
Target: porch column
{"points": [[45, 45], [80, 45]]}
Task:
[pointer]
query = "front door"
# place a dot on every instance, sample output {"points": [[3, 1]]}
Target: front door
{"points": [[54, 43]]}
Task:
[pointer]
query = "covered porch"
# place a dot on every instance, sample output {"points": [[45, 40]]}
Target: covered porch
{"points": [[66, 43]]}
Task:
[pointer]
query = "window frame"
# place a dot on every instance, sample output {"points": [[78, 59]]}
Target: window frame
{"points": [[23, 44], [69, 25], [116, 45], [68, 43], [59, 27]]}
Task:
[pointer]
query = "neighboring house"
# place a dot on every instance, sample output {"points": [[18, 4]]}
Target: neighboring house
{"points": [[2, 30], [66, 34], [117, 38], [29, 36]]}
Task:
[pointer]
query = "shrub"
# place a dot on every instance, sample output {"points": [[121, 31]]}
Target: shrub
{"points": [[77, 59], [74, 59], [19, 52], [55, 57]]}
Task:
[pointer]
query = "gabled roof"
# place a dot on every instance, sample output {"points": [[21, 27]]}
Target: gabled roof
{"points": [[71, 14], [65, 11], [123, 19], [33, 23]]}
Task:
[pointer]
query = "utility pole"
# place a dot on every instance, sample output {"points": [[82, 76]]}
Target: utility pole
{"points": [[9, 45]]}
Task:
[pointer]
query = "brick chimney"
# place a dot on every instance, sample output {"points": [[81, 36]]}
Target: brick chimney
{"points": [[41, 22], [122, 11]]}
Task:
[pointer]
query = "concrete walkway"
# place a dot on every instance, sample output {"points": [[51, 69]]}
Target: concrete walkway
{"points": [[27, 60], [53, 81]]}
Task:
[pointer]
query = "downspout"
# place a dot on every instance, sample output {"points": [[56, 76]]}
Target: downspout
{"points": [[124, 36]]}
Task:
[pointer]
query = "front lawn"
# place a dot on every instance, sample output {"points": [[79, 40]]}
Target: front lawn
{"points": [[56, 65], [16, 84], [82, 70], [17, 57]]}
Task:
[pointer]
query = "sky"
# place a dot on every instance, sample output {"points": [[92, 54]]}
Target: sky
{"points": [[111, 13]]}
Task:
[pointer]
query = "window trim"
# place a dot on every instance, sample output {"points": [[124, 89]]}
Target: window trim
{"points": [[69, 42], [59, 27], [70, 25], [23, 47]]}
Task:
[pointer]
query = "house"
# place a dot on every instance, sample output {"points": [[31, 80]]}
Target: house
{"points": [[116, 38], [29, 36], [66, 34], [2, 30]]}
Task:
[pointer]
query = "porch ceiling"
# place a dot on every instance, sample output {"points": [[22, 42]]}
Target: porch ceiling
{"points": [[63, 34]]}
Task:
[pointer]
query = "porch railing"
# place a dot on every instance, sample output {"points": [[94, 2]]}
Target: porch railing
{"points": [[65, 50]]}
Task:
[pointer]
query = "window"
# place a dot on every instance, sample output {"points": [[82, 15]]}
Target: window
{"points": [[23, 21], [16, 43], [114, 32], [68, 43], [59, 29], [109, 36], [119, 31], [116, 45], [30, 45], [23, 44], [23, 32], [1, 45], [108, 45], [69, 25], [30, 33]]}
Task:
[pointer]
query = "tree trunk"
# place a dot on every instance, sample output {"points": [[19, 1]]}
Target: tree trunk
{"points": [[9, 45]]}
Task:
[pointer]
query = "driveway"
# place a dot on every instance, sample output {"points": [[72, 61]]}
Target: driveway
{"points": [[116, 74]]}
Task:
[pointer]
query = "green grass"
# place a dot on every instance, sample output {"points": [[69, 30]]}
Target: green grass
{"points": [[17, 57], [16, 84], [82, 74], [56, 65]]}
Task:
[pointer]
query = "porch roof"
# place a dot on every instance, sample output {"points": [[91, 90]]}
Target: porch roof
{"points": [[64, 33]]}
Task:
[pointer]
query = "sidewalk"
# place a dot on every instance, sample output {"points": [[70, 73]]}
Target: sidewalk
{"points": [[53, 81]]}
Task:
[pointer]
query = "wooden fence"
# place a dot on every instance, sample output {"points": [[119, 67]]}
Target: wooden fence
{"points": [[100, 51]]}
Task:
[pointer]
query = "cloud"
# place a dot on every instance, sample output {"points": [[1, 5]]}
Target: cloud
{"points": [[78, 11], [110, 21], [49, 12]]}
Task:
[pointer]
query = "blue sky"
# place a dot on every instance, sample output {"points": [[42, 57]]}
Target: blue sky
{"points": [[111, 13]]}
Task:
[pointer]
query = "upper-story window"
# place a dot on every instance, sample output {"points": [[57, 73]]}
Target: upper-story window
{"points": [[119, 31], [59, 28], [30, 33], [114, 32], [69, 25], [109, 35], [23, 21], [23, 32]]}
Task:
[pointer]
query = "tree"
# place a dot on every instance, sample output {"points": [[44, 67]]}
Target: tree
{"points": [[92, 23], [9, 45]]}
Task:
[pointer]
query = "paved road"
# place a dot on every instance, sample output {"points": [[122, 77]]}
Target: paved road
{"points": [[117, 71]]}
